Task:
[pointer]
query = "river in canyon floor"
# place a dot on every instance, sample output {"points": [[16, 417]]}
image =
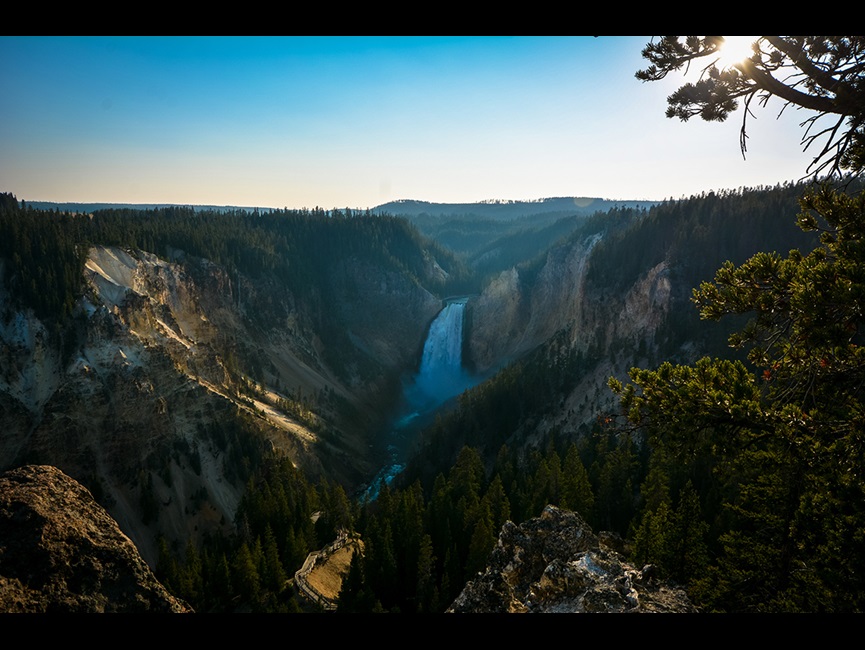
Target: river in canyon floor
{"points": [[440, 378]]}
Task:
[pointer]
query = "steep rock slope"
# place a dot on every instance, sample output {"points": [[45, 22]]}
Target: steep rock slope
{"points": [[513, 316], [61, 552], [558, 312], [170, 366]]}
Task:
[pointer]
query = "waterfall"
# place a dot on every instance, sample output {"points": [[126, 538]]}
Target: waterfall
{"points": [[441, 374], [441, 370], [440, 377]]}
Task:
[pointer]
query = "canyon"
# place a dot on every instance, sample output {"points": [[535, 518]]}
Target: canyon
{"points": [[172, 365]]}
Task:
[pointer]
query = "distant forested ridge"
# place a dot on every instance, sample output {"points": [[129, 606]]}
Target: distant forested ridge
{"points": [[507, 210], [45, 250], [495, 235], [69, 206]]}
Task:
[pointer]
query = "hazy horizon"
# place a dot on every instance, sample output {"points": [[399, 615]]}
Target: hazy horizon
{"points": [[360, 121]]}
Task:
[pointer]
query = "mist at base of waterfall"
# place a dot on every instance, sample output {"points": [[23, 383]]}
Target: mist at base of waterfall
{"points": [[440, 378], [441, 375]]}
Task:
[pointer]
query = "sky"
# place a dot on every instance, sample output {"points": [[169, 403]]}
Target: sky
{"points": [[359, 121]]}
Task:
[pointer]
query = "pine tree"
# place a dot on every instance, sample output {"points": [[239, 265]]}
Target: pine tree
{"points": [[651, 539], [274, 573], [245, 576], [686, 542], [576, 488], [786, 440]]}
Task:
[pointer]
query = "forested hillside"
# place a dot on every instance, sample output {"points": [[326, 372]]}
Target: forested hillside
{"points": [[707, 513], [46, 249], [157, 356], [737, 514]]}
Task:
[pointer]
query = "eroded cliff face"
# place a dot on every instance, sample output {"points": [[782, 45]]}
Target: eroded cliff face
{"points": [[386, 313], [143, 398], [513, 315], [559, 308], [497, 322]]}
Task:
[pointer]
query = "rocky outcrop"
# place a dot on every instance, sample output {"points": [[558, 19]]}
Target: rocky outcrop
{"points": [[555, 563], [60, 551], [573, 319]]}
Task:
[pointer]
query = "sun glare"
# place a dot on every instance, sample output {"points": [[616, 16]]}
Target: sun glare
{"points": [[734, 50]]}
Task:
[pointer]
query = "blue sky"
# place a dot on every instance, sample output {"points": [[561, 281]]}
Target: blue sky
{"points": [[335, 122]]}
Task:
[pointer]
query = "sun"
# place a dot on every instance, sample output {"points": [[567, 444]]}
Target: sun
{"points": [[735, 49]]}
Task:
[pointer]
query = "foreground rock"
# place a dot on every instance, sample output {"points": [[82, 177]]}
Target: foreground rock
{"points": [[554, 563], [61, 552]]}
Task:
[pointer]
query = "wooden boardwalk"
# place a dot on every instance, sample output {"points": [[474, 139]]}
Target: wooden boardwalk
{"points": [[320, 578]]}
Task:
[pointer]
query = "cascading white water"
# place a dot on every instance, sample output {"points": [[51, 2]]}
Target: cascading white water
{"points": [[441, 374], [440, 377]]}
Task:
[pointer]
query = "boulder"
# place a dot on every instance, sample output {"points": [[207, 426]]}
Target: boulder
{"points": [[60, 551]]}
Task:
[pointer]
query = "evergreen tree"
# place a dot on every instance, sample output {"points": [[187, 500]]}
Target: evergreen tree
{"points": [[274, 573], [355, 595], [787, 444], [822, 74], [651, 539], [480, 545], [497, 503], [427, 592], [686, 543], [576, 487], [245, 576]]}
